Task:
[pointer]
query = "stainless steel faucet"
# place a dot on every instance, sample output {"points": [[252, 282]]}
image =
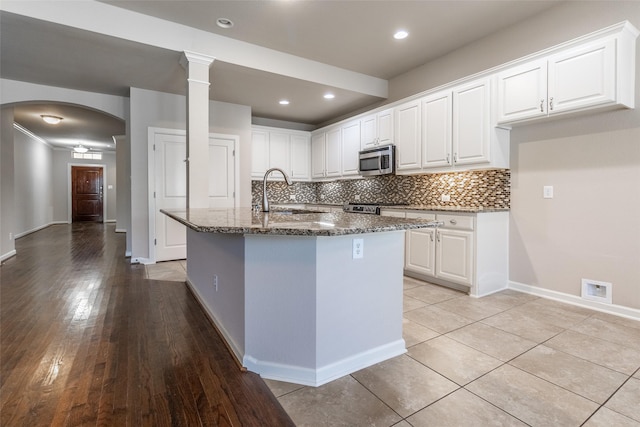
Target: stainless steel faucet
{"points": [[265, 201]]}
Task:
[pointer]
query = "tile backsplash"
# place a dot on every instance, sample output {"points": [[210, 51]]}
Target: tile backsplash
{"points": [[479, 188]]}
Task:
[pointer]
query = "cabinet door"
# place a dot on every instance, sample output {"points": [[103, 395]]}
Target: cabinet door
{"points": [[420, 251], [369, 131], [385, 127], [334, 152], [582, 77], [436, 130], [407, 135], [454, 256], [318, 155], [259, 153], [279, 152], [522, 92], [300, 156], [472, 123], [350, 148]]}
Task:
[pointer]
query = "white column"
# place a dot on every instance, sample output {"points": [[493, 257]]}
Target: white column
{"points": [[197, 67]]}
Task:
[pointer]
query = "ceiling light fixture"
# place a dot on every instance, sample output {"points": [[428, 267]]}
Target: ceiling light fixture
{"points": [[401, 34], [284, 102], [52, 120], [329, 96], [80, 149], [224, 23]]}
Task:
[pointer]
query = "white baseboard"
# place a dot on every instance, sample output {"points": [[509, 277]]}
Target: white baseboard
{"points": [[617, 310], [7, 255], [33, 230], [127, 254], [317, 377], [121, 230], [140, 260], [110, 220]]}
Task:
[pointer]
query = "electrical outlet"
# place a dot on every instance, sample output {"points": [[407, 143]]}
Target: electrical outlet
{"points": [[215, 282], [358, 248], [445, 198], [292, 197], [357, 197]]}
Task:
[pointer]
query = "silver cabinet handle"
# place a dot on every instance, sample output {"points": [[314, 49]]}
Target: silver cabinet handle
{"points": [[431, 235], [453, 221], [542, 105], [551, 103], [455, 157], [437, 236], [448, 158]]}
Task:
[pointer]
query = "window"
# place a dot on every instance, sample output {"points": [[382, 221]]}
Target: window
{"points": [[92, 156]]}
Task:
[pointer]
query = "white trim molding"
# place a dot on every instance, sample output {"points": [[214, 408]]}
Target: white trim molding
{"points": [[617, 310]]}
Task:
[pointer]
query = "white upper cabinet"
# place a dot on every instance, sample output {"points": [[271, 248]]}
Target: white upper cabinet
{"points": [[326, 153], [522, 92], [472, 123], [350, 148], [300, 157], [377, 129], [436, 130], [407, 136], [582, 77], [318, 155], [259, 152], [334, 152], [280, 148], [599, 73], [450, 130], [280, 151]]}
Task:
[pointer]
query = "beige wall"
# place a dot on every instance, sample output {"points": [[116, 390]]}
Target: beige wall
{"points": [[590, 229]]}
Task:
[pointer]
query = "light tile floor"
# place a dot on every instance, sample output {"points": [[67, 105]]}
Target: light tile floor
{"points": [[509, 359], [173, 271]]}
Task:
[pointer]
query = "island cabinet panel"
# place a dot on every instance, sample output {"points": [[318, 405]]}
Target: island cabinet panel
{"points": [[215, 273], [300, 308], [309, 322]]}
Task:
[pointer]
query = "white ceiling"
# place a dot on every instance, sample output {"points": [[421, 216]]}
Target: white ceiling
{"points": [[349, 40]]}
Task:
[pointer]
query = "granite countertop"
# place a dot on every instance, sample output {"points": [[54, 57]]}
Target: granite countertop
{"points": [[249, 221]]}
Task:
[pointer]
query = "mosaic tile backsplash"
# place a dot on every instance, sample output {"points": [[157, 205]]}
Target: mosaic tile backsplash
{"points": [[478, 188]]}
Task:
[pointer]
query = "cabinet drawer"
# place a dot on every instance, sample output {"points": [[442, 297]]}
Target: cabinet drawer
{"points": [[421, 215], [456, 222]]}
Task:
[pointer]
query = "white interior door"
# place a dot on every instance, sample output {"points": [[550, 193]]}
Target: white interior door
{"points": [[169, 237], [170, 193]]}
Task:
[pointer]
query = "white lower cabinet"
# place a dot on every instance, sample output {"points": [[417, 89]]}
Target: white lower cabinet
{"points": [[469, 252]]}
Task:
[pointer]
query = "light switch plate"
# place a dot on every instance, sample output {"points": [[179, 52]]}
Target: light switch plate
{"points": [[547, 191]]}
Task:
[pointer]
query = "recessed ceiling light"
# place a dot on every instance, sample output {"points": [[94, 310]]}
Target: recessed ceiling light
{"points": [[224, 23], [329, 96], [401, 34], [52, 120], [284, 102]]}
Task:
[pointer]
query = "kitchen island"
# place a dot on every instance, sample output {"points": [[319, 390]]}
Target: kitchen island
{"points": [[300, 297]]}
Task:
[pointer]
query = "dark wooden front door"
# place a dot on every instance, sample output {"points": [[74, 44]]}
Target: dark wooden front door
{"points": [[86, 197]]}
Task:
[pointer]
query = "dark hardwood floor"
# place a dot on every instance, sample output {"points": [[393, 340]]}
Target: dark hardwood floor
{"points": [[87, 340]]}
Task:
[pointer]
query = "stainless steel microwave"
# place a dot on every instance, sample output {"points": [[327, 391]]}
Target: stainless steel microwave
{"points": [[377, 161]]}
